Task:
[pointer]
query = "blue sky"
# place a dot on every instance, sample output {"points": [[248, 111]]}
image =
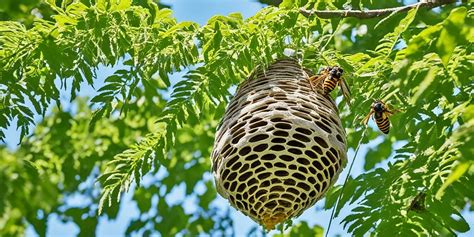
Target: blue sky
{"points": [[200, 11]]}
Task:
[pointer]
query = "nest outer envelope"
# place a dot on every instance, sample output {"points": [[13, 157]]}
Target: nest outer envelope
{"points": [[280, 145]]}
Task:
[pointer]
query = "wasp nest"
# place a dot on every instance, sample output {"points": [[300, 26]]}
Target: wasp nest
{"points": [[280, 146]]}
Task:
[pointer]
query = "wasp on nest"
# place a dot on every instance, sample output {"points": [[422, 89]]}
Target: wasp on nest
{"points": [[280, 147]]}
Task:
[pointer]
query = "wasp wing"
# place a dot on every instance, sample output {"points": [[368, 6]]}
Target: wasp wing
{"points": [[346, 92]]}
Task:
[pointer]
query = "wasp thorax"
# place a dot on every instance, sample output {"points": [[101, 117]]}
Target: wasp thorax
{"points": [[280, 147]]}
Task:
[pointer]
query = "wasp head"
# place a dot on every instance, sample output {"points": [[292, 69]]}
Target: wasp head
{"points": [[378, 106], [336, 72]]}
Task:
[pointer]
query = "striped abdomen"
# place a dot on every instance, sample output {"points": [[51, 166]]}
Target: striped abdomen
{"points": [[382, 122], [329, 84]]}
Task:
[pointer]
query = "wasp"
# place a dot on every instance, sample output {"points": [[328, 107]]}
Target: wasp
{"points": [[328, 79], [380, 113]]}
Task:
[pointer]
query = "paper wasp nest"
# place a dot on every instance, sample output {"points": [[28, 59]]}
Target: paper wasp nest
{"points": [[280, 146]]}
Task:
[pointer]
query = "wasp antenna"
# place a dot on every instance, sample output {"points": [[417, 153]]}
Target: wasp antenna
{"points": [[398, 111]]}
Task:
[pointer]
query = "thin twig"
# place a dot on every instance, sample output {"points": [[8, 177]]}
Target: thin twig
{"points": [[327, 14], [336, 205]]}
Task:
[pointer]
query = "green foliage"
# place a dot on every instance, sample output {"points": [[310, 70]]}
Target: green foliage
{"points": [[303, 229], [419, 62], [433, 103]]}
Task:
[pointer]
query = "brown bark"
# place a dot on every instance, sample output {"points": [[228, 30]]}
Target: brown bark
{"points": [[365, 14]]}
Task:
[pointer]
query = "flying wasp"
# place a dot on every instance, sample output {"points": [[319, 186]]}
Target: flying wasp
{"points": [[328, 79], [381, 114]]}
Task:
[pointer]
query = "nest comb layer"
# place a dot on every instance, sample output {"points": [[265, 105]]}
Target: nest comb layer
{"points": [[280, 146]]}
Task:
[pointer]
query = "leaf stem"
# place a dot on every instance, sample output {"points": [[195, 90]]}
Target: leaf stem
{"points": [[345, 181]]}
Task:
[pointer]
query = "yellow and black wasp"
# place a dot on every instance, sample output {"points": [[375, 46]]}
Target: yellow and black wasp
{"points": [[328, 79], [381, 114]]}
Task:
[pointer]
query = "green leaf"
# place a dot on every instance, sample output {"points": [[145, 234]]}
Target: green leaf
{"points": [[451, 217], [287, 4], [388, 42], [122, 5], [451, 35], [424, 85], [377, 154], [453, 177]]}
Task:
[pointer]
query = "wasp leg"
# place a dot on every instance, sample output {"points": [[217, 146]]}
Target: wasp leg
{"points": [[366, 119], [316, 81]]}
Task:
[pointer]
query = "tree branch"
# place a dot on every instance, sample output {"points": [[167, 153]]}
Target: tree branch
{"points": [[327, 14]]}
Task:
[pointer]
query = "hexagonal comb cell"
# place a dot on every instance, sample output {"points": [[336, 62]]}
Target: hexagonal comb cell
{"points": [[280, 145]]}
